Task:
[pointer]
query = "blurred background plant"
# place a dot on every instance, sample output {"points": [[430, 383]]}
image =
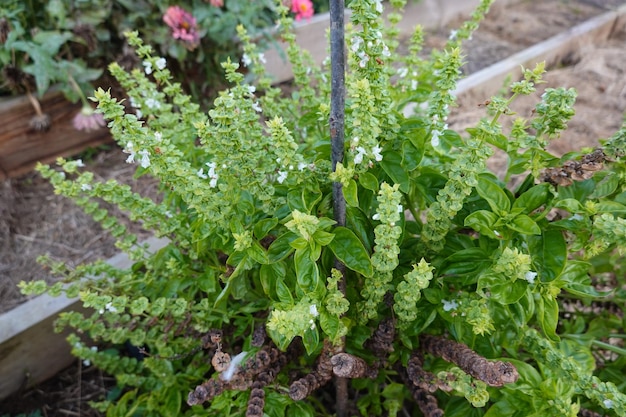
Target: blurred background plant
{"points": [[68, 43]]}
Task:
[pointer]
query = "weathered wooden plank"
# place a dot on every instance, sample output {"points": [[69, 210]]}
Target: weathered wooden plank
{"points": [[21, 147], [30, 351]]}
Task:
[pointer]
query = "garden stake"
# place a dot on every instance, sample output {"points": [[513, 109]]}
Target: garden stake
{"points": [[336, 121]]}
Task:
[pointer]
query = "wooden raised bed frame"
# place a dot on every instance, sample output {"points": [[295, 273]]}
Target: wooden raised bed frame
{"points": [[21, 147], [29, 350]]}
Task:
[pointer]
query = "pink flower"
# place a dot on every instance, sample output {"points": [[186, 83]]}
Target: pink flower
{"points": [[302, 9], [183, 25], [217, 3], [87, 119]]}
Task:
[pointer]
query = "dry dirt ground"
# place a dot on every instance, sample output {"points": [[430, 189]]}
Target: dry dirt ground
{"points": [[34, 221]]}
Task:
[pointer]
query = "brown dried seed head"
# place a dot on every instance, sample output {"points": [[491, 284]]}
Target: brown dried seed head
{"points": [[349, 366], [5, 29], [205, 391], [258, 336], [238, 382], [254, 411], [220, 361], [494, 374], [427, 403], [422, 378], [298, 390]]}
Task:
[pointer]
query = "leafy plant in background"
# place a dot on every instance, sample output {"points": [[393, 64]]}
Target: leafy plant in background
{"points": [[443, 290], [68, 43]]}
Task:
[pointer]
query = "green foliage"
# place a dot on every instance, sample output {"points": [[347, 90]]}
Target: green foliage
{"points": [[69, 43], [512, 274]]}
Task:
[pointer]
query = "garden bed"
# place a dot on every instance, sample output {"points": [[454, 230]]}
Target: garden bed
{"points": [[599, 79]]}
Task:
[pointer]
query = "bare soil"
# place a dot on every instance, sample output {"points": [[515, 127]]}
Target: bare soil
{"points": [[33, 220]]}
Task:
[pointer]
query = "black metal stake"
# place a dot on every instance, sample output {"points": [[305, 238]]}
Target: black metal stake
{"points": [[337, 101], [336, 122]]}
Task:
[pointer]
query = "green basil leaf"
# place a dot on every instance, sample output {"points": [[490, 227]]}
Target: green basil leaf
{"points": [[281, 247], [502, 290], [369, 181], [283, 293], [411, 156], [392, 165], [311, 340], [570, 204], [610, 207], [350, 250], [263, 227], [350, 193], [311, 195], [330, 325], [548, 316], [269, 274], [533, 198], [361, 225], [322, 237], [307, 273], [548, 253], [578, 282], [258, 253], [494, 195], [299, 243], [483, 222], [524, 225], [466, 261], [605, 186]]}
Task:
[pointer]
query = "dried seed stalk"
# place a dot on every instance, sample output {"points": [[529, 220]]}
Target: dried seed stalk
{"points": [[212, 339], [256, 402], [206, 391], [381, 342], [323, 373], [255, 373], [422, 378], [258, 336], [495, 374], [588, 413], [575, 170], [346, 365], [426, 402], [220, 361]]}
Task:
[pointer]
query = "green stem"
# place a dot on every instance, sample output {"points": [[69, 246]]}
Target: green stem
{"points": [[609, 347], [78, 90], [411, 207]]}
